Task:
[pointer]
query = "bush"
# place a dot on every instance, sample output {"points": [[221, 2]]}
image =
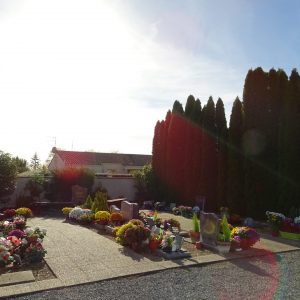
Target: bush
{"points": [[66, 210], [63, 180], [8, 171], [88, 202], [102, 215], [100, 202], [24, 211], [9, 213], [116, 217]]}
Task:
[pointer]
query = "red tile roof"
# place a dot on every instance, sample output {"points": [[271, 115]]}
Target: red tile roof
{"points": [[71, 158]]}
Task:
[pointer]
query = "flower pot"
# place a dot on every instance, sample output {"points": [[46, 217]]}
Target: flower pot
{"points": [[223, 247], [198, 245], [195, 236], [153, 245]]}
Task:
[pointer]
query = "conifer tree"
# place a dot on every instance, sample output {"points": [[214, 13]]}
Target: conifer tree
{"points": [[235, 174]]}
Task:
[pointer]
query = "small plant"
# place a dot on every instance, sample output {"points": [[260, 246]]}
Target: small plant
{"points": [[66, 210], [100, 202], [24, 211], [196, 224], [225, 236], [88, 202]]}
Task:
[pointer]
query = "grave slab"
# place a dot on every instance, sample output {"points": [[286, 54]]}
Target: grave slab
{"points": [[16, 278], [173, 255]]}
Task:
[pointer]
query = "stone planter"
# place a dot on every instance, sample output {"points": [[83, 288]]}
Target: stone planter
{"points": [[99, 226], [223, 247], [109, 229]]}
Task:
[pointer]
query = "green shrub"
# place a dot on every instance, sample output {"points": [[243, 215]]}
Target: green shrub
{"points": [[100, 202]]}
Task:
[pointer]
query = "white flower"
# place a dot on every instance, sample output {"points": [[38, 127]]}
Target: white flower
{"points": [[24, 242], [29, 231], [297, 220]]}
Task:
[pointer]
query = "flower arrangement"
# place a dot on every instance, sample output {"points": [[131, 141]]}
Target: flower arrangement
{"points": [[6, 227], [185, 211], [66, 210], [34, 253], [19, 221], [297, 220], [135, 236], [81, 214], [170, 223], [167, 241], [288, 225], [275, 220], [24, 211], [20, 246], [9, 213], [116, 218], [102, 217], [5, 255], [245, 237], [17, 233], [137, 222]]}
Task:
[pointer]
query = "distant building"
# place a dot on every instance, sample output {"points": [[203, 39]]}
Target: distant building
{"points": [[100, 163]]}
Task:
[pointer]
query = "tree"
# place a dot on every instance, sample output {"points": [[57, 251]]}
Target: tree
{"points": [[290, 146], [221, 129], [235, 174], [21, 164], [177, 108], [208, 172], [8, 174], [35, 162]]}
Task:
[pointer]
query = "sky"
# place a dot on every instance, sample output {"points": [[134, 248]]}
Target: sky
{"points": [[97, 75]]}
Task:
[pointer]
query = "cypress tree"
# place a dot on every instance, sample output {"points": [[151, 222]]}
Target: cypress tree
{"points": [[290, 146], [221, 129], [177, 108], [235, 177], [189, 107], [208, 172]]}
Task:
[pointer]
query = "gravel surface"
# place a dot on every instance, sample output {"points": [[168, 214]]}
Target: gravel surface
{"points": [[268, 277]]}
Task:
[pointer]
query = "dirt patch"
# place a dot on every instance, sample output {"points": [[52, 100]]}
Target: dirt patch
{"points": [[41, 271]]}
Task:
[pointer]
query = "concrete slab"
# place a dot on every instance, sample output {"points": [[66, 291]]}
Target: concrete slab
{"points": [[16, 278]]}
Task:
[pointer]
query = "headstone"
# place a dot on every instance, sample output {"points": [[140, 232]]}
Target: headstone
{"points": [[79, 194], [114, 208], [210, 227], [129, 210], [178, 242]]}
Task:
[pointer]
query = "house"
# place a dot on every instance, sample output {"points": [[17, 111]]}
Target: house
{"points": [[100, 163]]}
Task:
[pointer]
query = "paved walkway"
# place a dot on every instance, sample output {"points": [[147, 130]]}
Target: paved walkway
{"points": [[80, 255]]}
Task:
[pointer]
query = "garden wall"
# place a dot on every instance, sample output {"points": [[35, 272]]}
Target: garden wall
{"points": [[116, 186]]}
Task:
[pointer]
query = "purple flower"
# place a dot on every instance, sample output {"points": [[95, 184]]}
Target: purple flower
{"points": [[17, 233]]}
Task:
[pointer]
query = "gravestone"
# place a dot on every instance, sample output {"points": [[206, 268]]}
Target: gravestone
{"points": [[79, 194], [210, 228], [129, 210], [114, 208]]}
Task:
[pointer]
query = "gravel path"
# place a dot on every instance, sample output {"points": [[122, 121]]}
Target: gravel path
{"points": [[269, 277]]}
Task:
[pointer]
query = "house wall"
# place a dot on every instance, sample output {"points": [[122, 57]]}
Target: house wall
{"points": [[56, 163]]}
